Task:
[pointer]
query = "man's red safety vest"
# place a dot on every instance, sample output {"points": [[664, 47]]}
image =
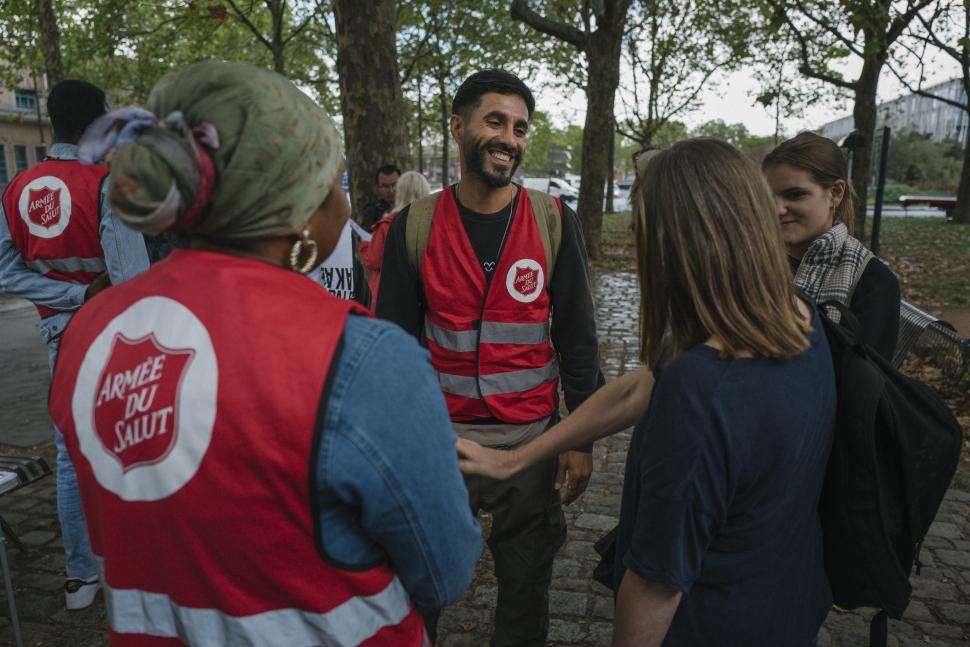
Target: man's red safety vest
{"points": [[53, 212], [189, 401], [489, 339]]}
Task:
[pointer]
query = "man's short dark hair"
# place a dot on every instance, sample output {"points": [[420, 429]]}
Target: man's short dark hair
{"points": [[469, 95], [387, 169], [72, 106]]}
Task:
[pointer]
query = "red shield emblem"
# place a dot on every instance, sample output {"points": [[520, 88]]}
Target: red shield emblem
{"points": [[136, 402], [44, 206], [526, 280]]}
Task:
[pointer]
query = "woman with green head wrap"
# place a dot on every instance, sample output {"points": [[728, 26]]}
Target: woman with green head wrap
{"points": [[194, 398]]}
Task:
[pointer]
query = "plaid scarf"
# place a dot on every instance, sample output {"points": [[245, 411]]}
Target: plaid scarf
{"points": [[829, 267]]}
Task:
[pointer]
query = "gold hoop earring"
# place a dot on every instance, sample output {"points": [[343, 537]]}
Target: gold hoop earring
{"points": [[297, 251]]}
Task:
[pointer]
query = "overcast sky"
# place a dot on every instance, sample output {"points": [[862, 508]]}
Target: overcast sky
{"points": [[735, 102]]}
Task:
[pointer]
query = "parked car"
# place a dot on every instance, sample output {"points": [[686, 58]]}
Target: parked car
{"points": [[554, 186]]}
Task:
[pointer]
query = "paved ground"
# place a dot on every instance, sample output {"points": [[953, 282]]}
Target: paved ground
{"points": [[581, 610], [24, 377]]}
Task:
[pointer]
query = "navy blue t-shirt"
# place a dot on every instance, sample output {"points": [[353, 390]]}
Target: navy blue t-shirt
{"points": [[721, 493]]}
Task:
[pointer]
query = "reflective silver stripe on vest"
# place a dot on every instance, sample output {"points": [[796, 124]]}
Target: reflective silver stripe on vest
{"points": [[72, 264], [492, 332], [351, 623], [498, 383], [514, 333], [460, 341], [516, 381]]}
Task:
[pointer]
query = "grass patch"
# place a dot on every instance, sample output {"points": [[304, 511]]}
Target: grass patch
{"points": [[617, 248], [930, 256]]}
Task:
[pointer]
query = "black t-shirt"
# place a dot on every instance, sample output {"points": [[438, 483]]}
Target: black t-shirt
{"points": [[486, 232], [720, 495]]}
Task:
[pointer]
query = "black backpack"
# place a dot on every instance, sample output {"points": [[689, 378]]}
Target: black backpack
{"points": [[894, 453]]}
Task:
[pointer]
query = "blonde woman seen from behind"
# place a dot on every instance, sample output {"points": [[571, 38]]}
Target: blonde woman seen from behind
{"points": [[719, 539], [410, 186]]}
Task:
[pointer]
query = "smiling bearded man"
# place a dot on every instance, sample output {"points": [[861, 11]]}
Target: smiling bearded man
{"points": [[492, 279]]}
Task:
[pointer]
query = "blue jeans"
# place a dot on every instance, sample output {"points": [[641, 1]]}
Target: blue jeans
{"points": [[70, 513]]}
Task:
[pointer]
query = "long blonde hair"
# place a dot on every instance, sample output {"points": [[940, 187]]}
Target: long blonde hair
{"points": [[710, 256], [410, 187]]}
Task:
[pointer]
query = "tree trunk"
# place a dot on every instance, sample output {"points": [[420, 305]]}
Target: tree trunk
{"points": [[420, 131], [50, 41], [445, 130], [370, 92], [961, 212], [278, 14], [609, 175], [864, 115], [603, 76]]}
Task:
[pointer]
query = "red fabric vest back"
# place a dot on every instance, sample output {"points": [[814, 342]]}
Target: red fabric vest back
{"points": [[489, 340], [53, 213], [190, 401]]}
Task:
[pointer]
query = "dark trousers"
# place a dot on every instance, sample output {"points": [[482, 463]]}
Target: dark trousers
{"points": [[528, 529]]}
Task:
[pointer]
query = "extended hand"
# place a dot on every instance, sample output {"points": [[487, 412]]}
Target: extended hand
{"points": [[99, 283], [574, 471], [493, 463]]}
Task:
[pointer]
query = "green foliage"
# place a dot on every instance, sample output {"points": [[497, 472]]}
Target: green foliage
{"points": [[126, 46], [736, 134], [926, 165], [675, 50]]}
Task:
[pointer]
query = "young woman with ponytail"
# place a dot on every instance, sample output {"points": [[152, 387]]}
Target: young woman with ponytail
{"points": [[809, 177]]}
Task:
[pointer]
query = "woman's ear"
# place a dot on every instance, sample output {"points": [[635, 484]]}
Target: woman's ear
{"points": [[837, 193]]}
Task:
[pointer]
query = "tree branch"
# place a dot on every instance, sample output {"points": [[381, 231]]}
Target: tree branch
{"points": [[806, 66], [249, 25], [566, 33]]}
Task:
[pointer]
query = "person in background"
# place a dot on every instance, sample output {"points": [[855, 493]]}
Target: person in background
{"points": [[59, 247], [342, 272], [809, 178], [239, 484], [411, 186], [386, 186], [719, 541]]}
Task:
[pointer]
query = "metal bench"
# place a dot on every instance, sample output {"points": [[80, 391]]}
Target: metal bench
{"points": [[946, 203], [16, 472], [921, 330]]}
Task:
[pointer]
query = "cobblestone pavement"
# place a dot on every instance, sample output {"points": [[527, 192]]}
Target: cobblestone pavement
{"points": [[582, 611]]}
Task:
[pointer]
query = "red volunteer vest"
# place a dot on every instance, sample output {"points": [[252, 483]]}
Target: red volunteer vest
{"points": [[53, 213], [489, 340], [189, 400]]}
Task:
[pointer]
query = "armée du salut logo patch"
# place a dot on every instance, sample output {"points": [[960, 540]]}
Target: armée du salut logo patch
{"points": [[145, 401], [45, 206], [525, 280]]}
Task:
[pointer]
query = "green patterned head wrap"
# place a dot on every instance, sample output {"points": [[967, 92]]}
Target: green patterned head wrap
{"points": [[276, 158]]}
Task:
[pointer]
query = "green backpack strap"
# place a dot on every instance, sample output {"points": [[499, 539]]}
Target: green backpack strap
{"points": [[548, 213], [418, 228]]}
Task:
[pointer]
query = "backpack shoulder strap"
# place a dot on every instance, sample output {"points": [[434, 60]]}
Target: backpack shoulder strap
{"points": [[858, 274], [418, 228], [548, 213]]}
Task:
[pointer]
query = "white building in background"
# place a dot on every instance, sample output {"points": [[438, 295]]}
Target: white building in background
{"points": [[915, 112]]}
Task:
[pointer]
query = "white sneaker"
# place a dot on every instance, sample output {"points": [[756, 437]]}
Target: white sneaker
{"points": [[79, 593]]}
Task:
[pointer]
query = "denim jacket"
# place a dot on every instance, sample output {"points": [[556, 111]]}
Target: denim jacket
{"points": [[388, 485], [124, 255]]}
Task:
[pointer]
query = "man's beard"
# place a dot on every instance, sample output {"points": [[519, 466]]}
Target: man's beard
{"points": [[475, 155]]}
